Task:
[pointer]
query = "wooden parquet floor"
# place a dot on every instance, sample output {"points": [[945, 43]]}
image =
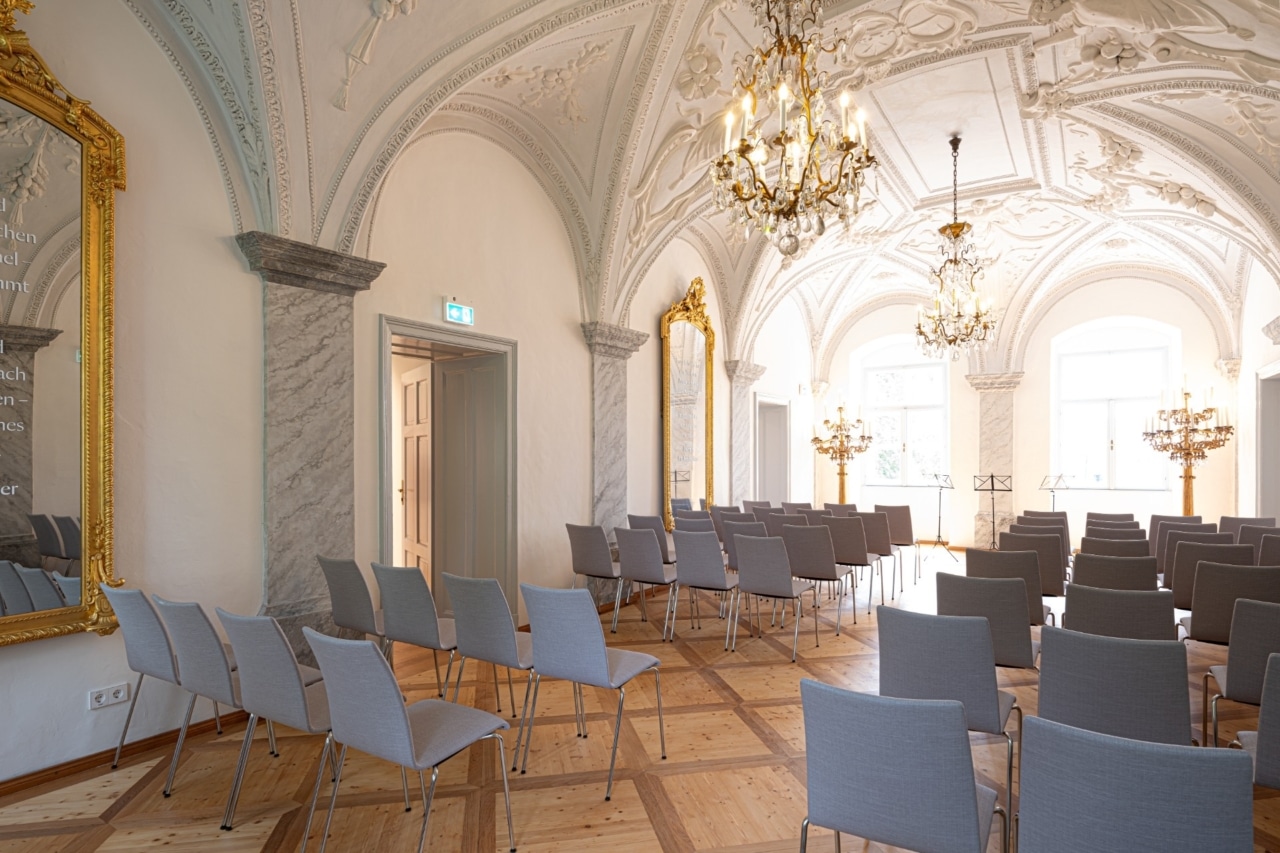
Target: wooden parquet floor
{"points": [[734, 778]]}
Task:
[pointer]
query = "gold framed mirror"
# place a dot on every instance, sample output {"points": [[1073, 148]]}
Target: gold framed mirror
{"points": [[688, 454], [60, 165]]}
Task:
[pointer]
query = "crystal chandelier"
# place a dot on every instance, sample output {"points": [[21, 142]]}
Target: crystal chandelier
{"points": [[789, 172], [958, 321], [1186, 435]]}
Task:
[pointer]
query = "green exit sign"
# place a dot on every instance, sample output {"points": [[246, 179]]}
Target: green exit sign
{"points": [[463, 315]]}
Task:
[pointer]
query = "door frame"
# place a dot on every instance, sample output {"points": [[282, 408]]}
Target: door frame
{"points": [[785, 404], [389, 326]]}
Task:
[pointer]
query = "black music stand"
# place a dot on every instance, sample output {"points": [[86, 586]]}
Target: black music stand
{"points": [[1053, 482], [993, 483], [944, 482]]}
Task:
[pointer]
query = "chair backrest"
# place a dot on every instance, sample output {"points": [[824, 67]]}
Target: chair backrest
{"points": [[699, 560], [1133, 533], [366, 709], [876, 526], [1267, 758], [701, 514], [739, 528], [678, 504], [1109, 516], [841, 510], [44, 593], [923, 656], [1086, 791], [68, 587], [1255, 637], [1156, 520], [848, 540], [1134, 614], [1180, 575], [271, 684], [748, 506], [69, 530], [696, 525], [1218, 585], [1171, 541], [1104, 572], [146, 643], [810, 552], [1102, 524], [589, 550], [763, 512], [763, 568], [13, 592], [815, 516], [202, 661], [1064, 547], [1232, 524], [408, 607], [1002, 602], [348, 595], [900, 530], [1161, 535], [791, 508], [568, 642], [1269, 551], [1115, 686], [1048, 548], [774, 523], [639, 556], [47, 539], [737, 518], [482, 619], [981, 563], [859, 788], [654, 523], [1116, 547], [1251, 534], [717, 517]]}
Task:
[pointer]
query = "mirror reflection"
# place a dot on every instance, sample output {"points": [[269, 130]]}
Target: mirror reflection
{"points": [[686, 468], [40, 378]]}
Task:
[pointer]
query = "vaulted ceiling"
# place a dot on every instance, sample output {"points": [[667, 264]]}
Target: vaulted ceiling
{"points": [[1098, 135]]}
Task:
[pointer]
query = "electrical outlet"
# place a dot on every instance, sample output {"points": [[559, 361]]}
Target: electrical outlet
{"points": [[104, 696]]}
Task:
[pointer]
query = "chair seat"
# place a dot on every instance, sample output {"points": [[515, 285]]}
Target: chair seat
{"points": [[615, 572], [231, 657], [1047, 611], [730, 582], [1035, 651], [1219, 674], [448, 632], [625, 665], [1249, 740], [1185, 622], [799, 587], [310, 675], [668, 575], [524, 649], [441, 729], [986, 812]]}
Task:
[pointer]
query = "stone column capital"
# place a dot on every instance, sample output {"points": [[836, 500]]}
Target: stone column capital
{"points": [[1272, 331], [994, 381], [612, 341], [26, 338], [283, 261], [1229, 368], [743, 372]]}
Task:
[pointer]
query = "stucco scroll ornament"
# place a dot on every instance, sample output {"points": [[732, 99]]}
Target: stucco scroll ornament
{"points": [[875, 39], [561, 84], [360, 50], [1255, 120]]}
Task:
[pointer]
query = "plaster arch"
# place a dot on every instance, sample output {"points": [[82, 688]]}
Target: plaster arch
{"points": [[831, 345]]}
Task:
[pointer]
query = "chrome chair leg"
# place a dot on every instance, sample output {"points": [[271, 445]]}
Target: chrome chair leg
{"points": [[497, 694], [427, 798], [511, 693], [271, 739], [457, 688], [448, 673], [233, 795], [815, 616], [804, 835], [325, 751], [662, 728], [435, 662], [115, 762], [217, 718], [333, 798], [506, 790], [404, 781], [617, 729], [177, 749], [617, 603], [528, 729], [524, 715], [795, 640]]}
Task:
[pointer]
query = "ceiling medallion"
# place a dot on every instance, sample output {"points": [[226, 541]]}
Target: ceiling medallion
{"points": [[958, 321], [787, 173]]}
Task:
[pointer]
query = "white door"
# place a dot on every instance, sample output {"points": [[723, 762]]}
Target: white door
{"points": [[773, 426], [415, 496], [1269, 447]]}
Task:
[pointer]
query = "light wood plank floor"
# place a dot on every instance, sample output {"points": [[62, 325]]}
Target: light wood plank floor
{"points": [[733, 779]]}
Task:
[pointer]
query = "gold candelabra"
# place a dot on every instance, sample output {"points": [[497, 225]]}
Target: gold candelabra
{"points": [[1187, 436], [847, 440]]}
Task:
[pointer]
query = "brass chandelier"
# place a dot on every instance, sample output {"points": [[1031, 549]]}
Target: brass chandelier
{"points": [[788, 171], [1186, 435], [958, 321]]}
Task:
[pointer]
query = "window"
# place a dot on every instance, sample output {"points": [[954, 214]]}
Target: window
{"points": [[905, 400], [1108, 380]]}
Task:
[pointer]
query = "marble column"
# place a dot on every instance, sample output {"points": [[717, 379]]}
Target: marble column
{"points": [[610, 347], [309, 421], [742, 375], [18, 347], [995, 448]]}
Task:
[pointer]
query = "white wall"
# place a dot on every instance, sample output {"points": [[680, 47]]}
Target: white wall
{"points": [[188, 399], [782, 348], [1258, 355], [440, 235]]}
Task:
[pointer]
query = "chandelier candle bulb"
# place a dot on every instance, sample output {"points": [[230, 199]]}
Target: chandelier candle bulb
{"points": [[861, 116], [747, 111], [728, 133]]}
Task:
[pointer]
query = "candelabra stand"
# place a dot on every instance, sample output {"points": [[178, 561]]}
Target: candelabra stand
{"points": [[1186, 436], [1053, 482], [847, 439]]}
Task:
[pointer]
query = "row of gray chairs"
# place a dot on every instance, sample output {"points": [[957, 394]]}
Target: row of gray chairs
{"points": [[57, 536], [26, 590]]}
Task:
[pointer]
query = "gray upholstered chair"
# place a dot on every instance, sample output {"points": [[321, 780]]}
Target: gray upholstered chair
{"points": [[146, 644], [748, 506], [1177, 536], [367, 712], [841, 510], [68, 588], [1116, 547], [681, 504], [1264, 744], [763, 512], [793, 508], [695, 525], [849, 543], [735, 528], [1080, 790], [923, 656], [1040, 525], [717, 518], [44, 593], [1108, 516], [569, 645], [1130, 613], [1251, 534], [409, 616], [349, 599], [815, 516], [764, 572], [1156, 520], [13, 592], [1114, 572], [1115, 686], [812, 557], [694, 514], [1107, 524], [1269, 551], [738, 517], [1180, 574], [1213, 601], [640, 560], [879, 545], [1003, 603], [981, 563], [774, 523], [69, 530], [1167, 527], [859, 785], [1048, 548], [1232, 524], [1121, 533], [591, 557], [701, 567], [47, 539], [1255, 637], [654, 523], [273, 686], [901, 535]]}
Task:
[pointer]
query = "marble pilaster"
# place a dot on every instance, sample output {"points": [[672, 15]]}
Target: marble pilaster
{"points": [[995, 447], [309, 421], [742, 375], [18, 345]]}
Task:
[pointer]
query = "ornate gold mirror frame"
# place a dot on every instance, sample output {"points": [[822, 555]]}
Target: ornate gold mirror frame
{"points": [[55, 143], [691, 310]]}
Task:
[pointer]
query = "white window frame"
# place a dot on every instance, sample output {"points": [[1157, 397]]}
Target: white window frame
{"points": [[873, 413]]}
